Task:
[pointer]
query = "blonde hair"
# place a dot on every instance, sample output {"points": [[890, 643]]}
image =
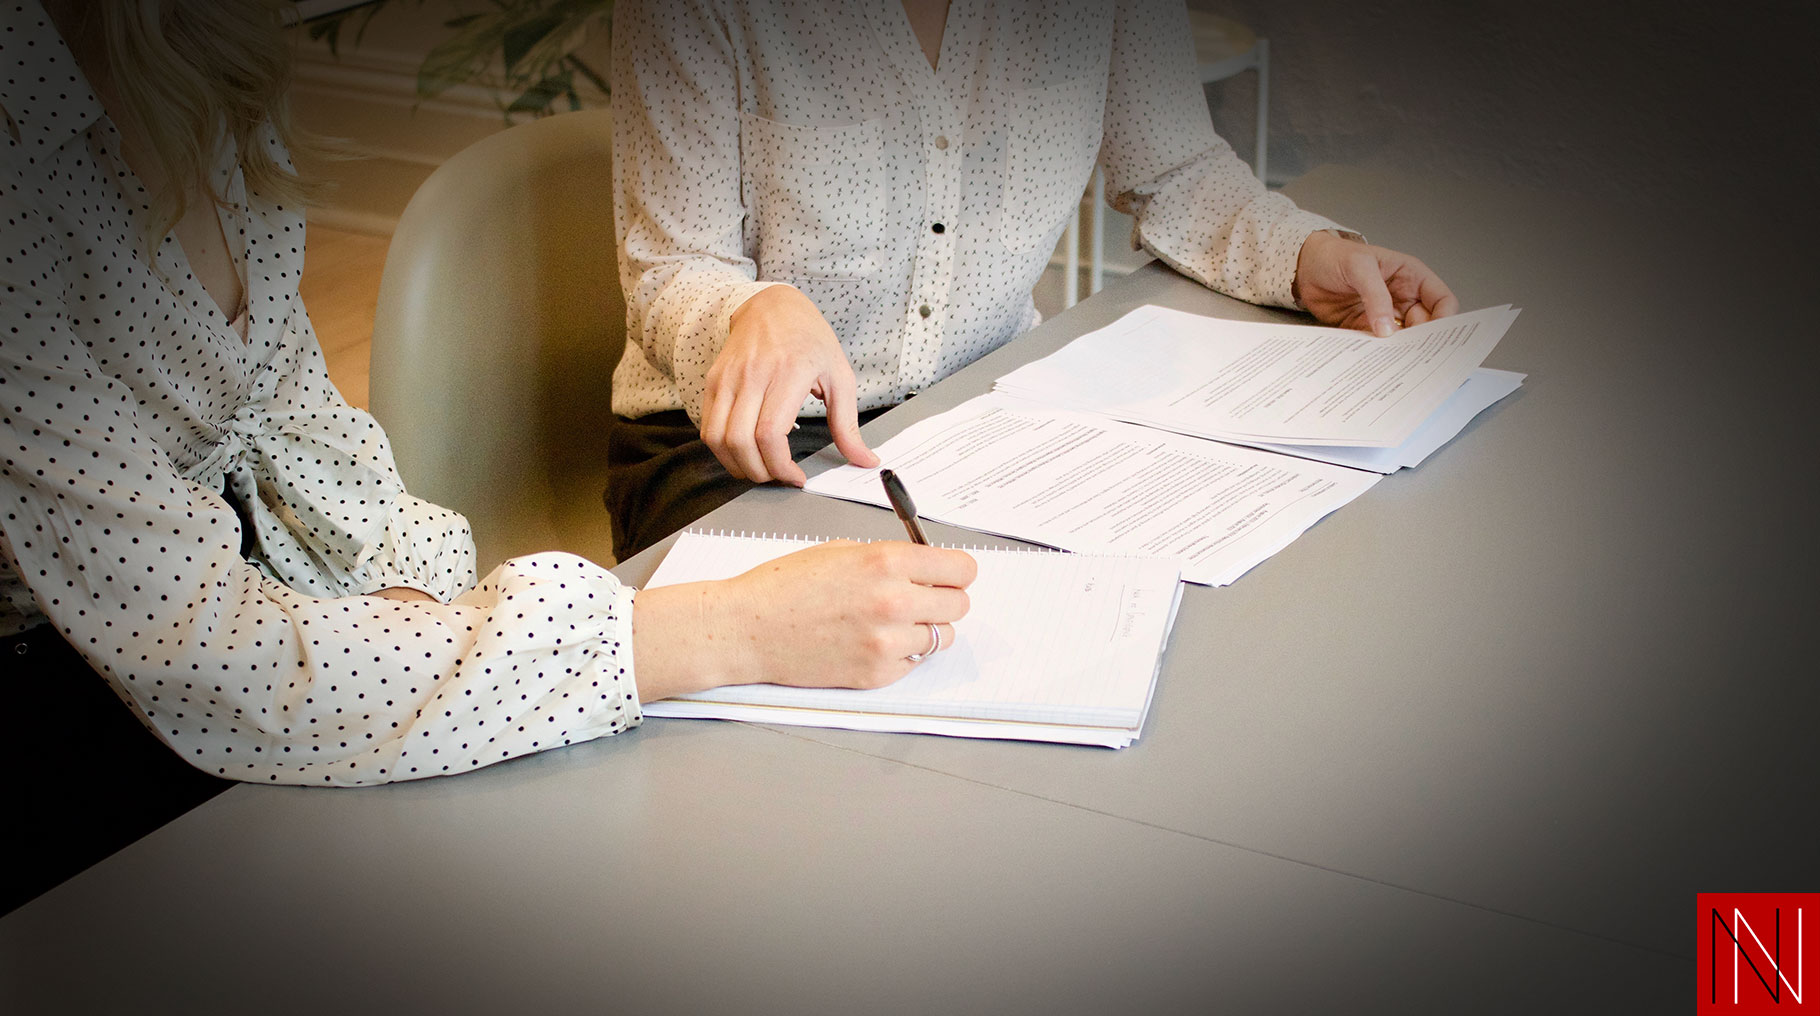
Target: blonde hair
{"points": [[189, 70]]}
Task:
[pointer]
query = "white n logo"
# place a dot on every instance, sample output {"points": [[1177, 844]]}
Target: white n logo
{"points": [[1773, 985]]}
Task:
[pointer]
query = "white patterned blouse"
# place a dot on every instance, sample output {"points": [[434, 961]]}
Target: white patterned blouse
{"points": [[129, 406], [810, 142]]}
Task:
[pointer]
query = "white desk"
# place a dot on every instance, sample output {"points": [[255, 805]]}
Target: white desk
{"points": [[1471, 745]]}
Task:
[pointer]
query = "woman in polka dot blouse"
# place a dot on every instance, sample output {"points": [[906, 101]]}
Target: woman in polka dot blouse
{"points": [[827, 205], [188, 504]]}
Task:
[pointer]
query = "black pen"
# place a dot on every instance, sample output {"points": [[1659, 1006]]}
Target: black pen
{"points": [[902, 505]]}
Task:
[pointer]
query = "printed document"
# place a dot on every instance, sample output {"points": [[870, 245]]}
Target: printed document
{"points": [[1483, 388], [1083, 482], [1263, 381]]}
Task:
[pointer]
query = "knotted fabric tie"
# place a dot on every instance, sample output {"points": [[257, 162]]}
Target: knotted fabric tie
{"points": [[321, 479]]}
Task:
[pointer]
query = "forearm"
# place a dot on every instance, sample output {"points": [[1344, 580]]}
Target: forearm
{"points": [[1198, 208], [677, 649], [677, 195], [1226, 233], [682, 315], [264, 685], [244, 676]]}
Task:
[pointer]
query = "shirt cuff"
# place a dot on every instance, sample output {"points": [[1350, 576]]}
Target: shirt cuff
{"points": [[616, 650], [690, 373], [1276, 275]]}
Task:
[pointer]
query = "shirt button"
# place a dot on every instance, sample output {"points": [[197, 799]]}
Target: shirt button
{"points": [[925, 310], [941, 142], [938, 228]]}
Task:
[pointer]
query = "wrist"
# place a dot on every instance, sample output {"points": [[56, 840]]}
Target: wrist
{"points": [[770, 299], [680, 644], [661, 645], [1311, 252]]}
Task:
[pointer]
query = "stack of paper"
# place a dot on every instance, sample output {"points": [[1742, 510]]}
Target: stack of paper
{"points": [[1084, 482], [1127, 440], [1304, 390], [1054, 647]]}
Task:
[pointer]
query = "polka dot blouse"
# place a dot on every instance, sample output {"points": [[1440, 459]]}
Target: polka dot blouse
{"points": [[810, 142], [130, 408]]}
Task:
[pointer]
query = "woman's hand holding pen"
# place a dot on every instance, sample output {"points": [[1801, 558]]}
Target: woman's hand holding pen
{"points": [[1355, 285], [837, 615], [779, 350]]}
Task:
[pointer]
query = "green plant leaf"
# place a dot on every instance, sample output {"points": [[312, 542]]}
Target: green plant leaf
{"points": [[366, 15], [538, 98], [529, 40], [458, 59], [589, 74], [519, 39], [327, 30]]}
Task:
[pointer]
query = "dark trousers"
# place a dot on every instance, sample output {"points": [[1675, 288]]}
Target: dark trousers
{"points": [[84, 777], [661, 477]]}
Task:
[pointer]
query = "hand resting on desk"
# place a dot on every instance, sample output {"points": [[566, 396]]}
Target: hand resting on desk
{"points": [[838, 615]]}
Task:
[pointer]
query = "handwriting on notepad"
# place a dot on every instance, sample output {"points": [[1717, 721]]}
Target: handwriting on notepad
{"points": [[1136, 608], [1054, 647]]}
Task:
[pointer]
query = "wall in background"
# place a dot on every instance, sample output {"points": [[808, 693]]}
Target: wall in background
{"points": [[366, 95], [1623, 100]]}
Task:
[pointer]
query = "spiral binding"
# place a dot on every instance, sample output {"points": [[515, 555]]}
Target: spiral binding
{"points": [[810, 541]]}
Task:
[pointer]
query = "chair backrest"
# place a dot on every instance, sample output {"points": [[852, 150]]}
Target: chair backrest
{"points": [[499, 322]]}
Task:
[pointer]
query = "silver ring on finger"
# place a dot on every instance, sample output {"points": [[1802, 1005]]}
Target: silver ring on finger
{"points": [[935, 644]]}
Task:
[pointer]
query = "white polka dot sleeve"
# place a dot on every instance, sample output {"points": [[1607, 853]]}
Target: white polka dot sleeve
{"points": [[1198, 208], [242, 675], [676, 199], [415, 545]]}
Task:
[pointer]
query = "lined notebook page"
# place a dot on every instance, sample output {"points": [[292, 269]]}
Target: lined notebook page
{"points": [[1050, 638]]}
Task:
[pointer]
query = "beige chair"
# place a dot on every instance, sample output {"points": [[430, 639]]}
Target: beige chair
{"points": [[499, 322]]}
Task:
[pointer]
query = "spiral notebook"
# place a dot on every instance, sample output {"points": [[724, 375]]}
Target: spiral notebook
{"points": [[1055, 647]]}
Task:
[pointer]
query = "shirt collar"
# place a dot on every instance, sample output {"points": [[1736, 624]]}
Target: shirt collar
{"points": [[41, 88]]}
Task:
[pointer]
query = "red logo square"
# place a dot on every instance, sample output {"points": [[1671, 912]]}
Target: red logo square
{"points": [[1752, 953]]}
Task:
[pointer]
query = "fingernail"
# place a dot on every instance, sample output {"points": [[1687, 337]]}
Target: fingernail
{"points": [[1382, 327]]}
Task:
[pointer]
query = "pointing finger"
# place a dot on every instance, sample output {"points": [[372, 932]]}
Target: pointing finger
{"points": [[840, 394], [1367, 280]]}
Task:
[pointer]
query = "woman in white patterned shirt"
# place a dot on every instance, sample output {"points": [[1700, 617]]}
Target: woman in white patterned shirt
{"points": [[827, 205], [190, 510]]}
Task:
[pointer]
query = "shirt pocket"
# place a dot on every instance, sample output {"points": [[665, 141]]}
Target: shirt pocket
{"points": [[814, 196], [864, 317], [1052, 140]]}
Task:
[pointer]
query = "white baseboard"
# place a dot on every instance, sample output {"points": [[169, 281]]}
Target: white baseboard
{"points": [[388, 78]]}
